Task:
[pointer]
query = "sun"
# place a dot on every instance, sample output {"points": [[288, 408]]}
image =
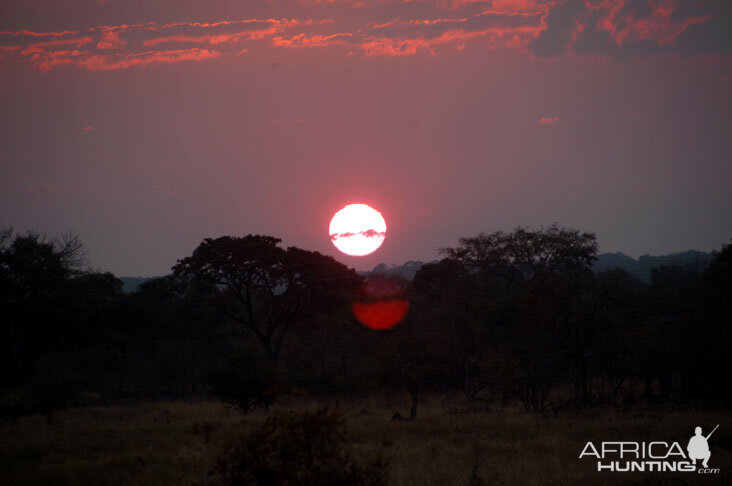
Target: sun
{"points": [[357, 229]]}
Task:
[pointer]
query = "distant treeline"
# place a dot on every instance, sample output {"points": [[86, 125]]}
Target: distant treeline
{"points": [[640, 268], [521, 317]]}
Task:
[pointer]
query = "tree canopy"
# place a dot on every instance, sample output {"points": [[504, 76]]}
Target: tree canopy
{"points": [[267, 288]]}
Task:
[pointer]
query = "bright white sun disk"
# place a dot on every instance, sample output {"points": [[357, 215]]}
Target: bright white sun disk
{"points": [[357, 230]]}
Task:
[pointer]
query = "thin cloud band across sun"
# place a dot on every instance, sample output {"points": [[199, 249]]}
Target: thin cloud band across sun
{"points": [[357, 230]]}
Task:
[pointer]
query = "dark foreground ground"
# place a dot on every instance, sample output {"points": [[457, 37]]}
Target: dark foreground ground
{"points": [[178, 443]]}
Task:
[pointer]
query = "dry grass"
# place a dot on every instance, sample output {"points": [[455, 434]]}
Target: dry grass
{"points": [[166, 443]]}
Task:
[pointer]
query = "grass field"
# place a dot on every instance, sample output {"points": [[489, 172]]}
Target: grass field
{"points": [[178, 443]]}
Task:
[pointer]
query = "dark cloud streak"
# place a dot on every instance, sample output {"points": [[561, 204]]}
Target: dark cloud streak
{"points": [[624, 29]]}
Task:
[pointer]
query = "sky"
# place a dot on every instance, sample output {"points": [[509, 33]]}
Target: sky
{"points": [[145, 126]]}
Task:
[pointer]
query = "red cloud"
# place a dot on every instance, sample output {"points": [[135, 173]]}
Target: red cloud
{"points": [[303, 40], [625, 28], [29, 33], [212, 33], [110, 39], [74, 41], [386, 46], [546, 27], [46, 60], [107, 62], [549, 121], [515, 6], [508, 24], [405, 46], [211, 39], [407, 37], [122, 46], [658, 26]]}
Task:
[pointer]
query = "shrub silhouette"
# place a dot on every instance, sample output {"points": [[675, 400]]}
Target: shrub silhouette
{"points": [[297, 449]]}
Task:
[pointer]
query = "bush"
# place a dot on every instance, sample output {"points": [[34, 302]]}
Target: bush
{"points": [[297, 449]]}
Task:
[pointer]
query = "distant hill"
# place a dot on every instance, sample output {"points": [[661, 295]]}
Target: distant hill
{"points": [[641, 268], [130, 284]]}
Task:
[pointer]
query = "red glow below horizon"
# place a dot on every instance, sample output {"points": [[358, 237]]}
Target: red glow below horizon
{"points": [[381, 315]]}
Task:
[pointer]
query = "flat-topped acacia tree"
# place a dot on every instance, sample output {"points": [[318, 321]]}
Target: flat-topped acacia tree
{"points": [[267, 288]]}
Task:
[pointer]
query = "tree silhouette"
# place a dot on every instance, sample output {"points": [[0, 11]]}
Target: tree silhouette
{"points": [[34, 272], [266, 288], [544, 278]]}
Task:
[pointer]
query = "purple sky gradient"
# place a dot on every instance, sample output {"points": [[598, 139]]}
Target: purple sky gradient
{"points": [[449, 117]]}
